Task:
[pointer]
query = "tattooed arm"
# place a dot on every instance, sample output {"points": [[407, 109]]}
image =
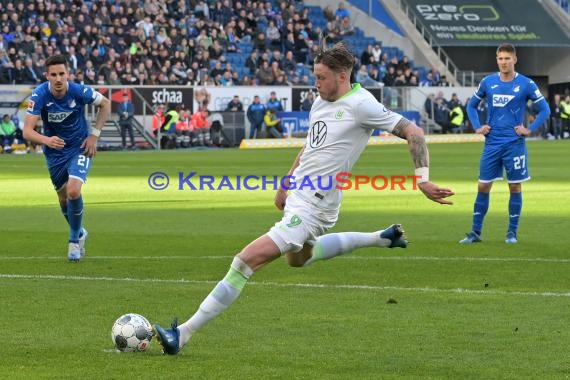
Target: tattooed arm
{"points": [[407, 130]]}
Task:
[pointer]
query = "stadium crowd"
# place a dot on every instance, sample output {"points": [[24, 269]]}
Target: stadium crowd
{"points": [[150, 42]]}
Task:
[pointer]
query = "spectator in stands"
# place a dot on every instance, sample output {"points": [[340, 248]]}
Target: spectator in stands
{"points": [[273, 35], [390, 78], [281, 80], [18, 72], [364, 79], [235, 105], [289, 63], [126, 113], [277, 72], [329, 13], [377, 53], [251, 62], [30, 75], [367, 56], [301, 48], [443, 82], [341, 11], [255, 114], [265, 74], [346, 28], [428, 81]]}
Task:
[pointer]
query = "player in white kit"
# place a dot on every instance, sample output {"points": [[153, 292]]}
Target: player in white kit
{"points": [[342, 120]]}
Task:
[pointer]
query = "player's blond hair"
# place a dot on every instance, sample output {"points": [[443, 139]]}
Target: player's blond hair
{"points": [[337, 58]]}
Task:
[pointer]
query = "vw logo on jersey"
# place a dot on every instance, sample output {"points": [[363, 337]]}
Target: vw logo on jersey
{"points": [[318, 134]]}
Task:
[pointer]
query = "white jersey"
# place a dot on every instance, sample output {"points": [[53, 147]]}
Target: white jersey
{"points": [[339, 132]]}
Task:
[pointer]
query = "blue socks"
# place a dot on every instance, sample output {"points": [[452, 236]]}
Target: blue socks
{"points": [[64, 211], [479, 211], [515, 207], [482, 205], [74, 217]]}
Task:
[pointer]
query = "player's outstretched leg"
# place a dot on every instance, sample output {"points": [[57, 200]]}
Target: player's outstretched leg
{"points": [[169, 339], [220, 298], [332, 245]]}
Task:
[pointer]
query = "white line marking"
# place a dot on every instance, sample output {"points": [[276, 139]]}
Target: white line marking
{"points": [[282, 285], [375, 257]]}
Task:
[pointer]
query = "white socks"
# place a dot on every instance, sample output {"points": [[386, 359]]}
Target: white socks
{"points": [[219, 299], [332, 245]]}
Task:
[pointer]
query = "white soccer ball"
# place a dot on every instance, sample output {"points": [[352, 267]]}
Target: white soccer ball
{"points": [[131, 333]]}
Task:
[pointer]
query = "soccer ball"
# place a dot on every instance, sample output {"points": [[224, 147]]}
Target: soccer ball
{"points": [[131, 332]]}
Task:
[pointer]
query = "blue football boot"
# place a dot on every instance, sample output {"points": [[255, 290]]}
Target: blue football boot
{"points": [[169, 339], [395, 234]]}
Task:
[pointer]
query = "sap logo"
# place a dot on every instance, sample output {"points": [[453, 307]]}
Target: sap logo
{"points": [[165, 96], [501, 100], [58, 117]]}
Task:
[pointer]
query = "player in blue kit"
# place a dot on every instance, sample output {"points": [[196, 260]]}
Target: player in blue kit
{"points": [[506, 93], [69, 145]]}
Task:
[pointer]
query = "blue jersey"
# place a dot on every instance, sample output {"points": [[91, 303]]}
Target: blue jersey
{"points": [[506, 103], [63, 117]]}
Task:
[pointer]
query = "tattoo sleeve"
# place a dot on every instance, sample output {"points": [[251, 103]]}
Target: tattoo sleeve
{"points": [[407, 130]]}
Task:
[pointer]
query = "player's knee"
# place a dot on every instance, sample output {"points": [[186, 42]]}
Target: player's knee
{"points": [[73, 192]]}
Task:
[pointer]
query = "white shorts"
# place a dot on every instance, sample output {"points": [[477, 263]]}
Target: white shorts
{"points": [[301, 223]]}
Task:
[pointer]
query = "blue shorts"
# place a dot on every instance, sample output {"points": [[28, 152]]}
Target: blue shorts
{"points": [[513, 157], [62, 168]]}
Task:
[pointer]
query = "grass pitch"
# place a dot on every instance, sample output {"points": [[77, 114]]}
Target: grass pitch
{"points": [[435, 310]]}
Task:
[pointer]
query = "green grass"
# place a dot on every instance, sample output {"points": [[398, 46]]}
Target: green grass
{"points": [[487, 311]]}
